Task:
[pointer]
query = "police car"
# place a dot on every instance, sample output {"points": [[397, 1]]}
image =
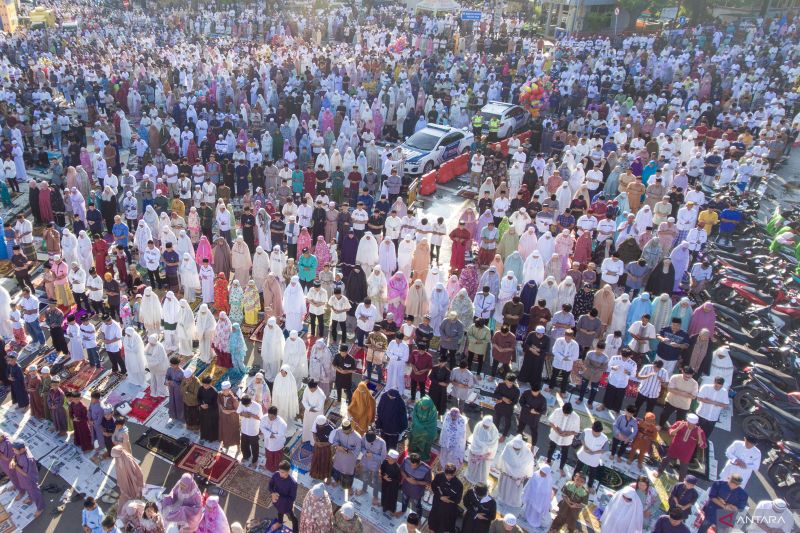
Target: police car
{"points": [[513, 119], [433, 145]]}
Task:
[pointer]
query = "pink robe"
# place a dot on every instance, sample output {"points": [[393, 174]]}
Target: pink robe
{"points": [[204, 251], [397, 290]]}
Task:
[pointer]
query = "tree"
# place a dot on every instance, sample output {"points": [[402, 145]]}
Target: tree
{"points": [[635, 8]]}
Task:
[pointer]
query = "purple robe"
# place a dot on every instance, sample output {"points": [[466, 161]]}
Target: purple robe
{"points": [[6, 454], [175, 405], [96, 420], [55, 402], [348, 247], [29, 478]]}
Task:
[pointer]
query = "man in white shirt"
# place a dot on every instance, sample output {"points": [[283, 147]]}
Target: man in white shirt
{"points": [[111, 332], [593, 180], [250, 415], [642, 332], [209, 191], [605, 228], [30, 314], [152, 262], [621, 369], [565, 353], [500, 207], [317, 297], [339, 307], [171, 177], [484, 304], [366, 315], [77, 280], [611, 269], [94, 286], [564, 425], [476, 168], [223, 218], [713, 399], [591, 451], [274, 429], [744, 458], [359, 218], [89, 340]]}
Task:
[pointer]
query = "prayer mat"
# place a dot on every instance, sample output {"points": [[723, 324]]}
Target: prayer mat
{"points": [[213, 465], [232, 375], [258, 332], [124, 392], [106, 384], [613, 479], [163, 445], [142, 408], [248, 484], [248, 329], [86, 375], [216, 372], [300, 457], [199, 368]]}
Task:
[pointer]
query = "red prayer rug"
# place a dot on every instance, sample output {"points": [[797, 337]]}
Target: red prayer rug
{"points": [[142, 408], [86, 375], [211, 464]]}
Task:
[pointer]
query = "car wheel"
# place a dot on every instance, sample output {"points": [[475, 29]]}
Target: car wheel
{"points": [[428, 167]]}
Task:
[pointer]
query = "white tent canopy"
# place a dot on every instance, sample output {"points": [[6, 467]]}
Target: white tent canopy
{"points": [[438, 6]]}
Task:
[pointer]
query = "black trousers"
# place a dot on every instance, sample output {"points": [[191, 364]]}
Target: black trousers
{"points": [[618, 447], [342, 326], [707, 425], [613, 397], [316, 321], [451, 356], [564, 453], [249, 448], [650, 404], [477, 356], [667, 412], [592, 472], [24, 279], [417, 385], [347, 388], [117, 362], [155, 279], [58, 340], [503, 414], [81, 300], [97, 307], [554, 375], [292, 517], [504, 369], [439, 396], [530, 421]]}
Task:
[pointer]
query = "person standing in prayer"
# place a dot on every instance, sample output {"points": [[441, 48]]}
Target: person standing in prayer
{"points": [[374, 453], [391, 476], [130, 478], [538, 496], [447, 491], [744, 458], [55, 402], [346, 444], [209, 411], [174, 379], [574, 497], [506, 394], [416, 477], [273, 427], [96, 411], [316, 514], [250, 415], [564, 425], [32, 384], [157, 363], [229, 427], [313, 405], [361, 409], [397, 354], [26, 471], [79, 415], [190, 386], [346, 521], [687, 436], [283, 489], [392, 417], [480, 508], [6, 457], [16, 378], [345, 366], [725, 497]]}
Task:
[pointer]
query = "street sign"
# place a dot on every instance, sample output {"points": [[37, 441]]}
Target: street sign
{"points": [[616, 11], [471, 15], [682, 21]]}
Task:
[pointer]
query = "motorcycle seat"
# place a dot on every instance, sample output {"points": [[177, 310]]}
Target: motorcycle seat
{"points": [[792, 446], [776, 377]]}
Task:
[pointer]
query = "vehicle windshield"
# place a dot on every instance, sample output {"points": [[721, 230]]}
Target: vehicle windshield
{"points": [[422, 141], [489, 116]]}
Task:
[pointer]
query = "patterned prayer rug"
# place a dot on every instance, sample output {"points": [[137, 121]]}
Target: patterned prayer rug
{"points": [[211, 464], [248, 484], [300, 457], [142, 408], [86, 375]]}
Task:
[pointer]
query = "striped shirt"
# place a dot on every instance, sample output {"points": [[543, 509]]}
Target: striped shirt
{"points": [[651, 387]]}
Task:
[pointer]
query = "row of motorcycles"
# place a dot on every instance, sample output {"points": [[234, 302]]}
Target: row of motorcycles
{"points": [[756, 295]]}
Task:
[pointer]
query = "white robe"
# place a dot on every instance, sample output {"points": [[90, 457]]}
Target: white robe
{"points": [[750, 456], [622, 516], [207, 283], [515, 466], [482, 450], [135, 362], [284, 396], [158, 364], [313, 406], [538, 498], [272, 345], [205, 324], [294, 355]]}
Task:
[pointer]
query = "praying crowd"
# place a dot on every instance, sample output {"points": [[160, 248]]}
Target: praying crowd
{"points": [[226, 191]]}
